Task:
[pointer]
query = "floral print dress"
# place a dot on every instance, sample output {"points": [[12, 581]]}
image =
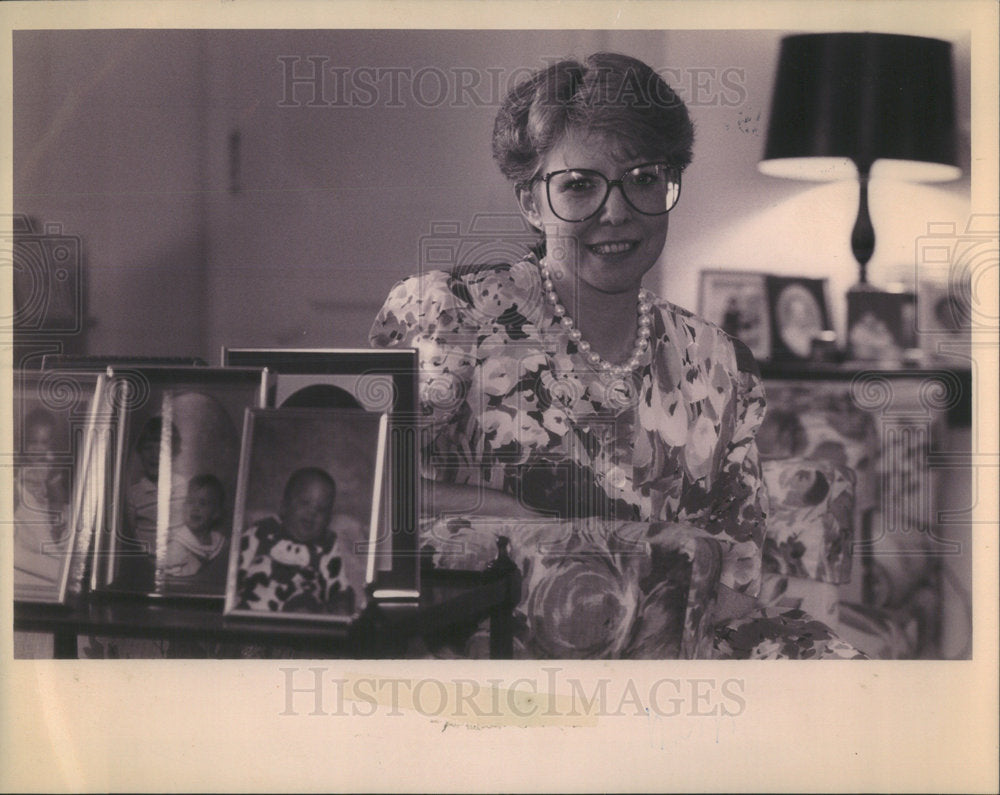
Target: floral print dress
{"points": [[510, 403]]}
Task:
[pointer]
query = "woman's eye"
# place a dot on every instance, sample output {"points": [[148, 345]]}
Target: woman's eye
{"points": [[644, 179], [579, 185]]}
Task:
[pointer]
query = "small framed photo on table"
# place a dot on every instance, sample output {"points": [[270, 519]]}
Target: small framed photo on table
{"points": [[737, 302], [379, 382], [307, 511], [800, 314], [52, 410], [881, 325], [176, 460]]}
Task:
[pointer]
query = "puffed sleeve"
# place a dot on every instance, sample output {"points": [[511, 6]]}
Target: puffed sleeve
{"points": [[734, 507], [431, 313]]}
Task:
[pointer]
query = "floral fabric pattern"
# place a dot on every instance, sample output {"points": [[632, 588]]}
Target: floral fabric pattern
{"points": [[811, 524], [664, 458], [510, 403], [781, 634], [592, 589], [818, 430]]}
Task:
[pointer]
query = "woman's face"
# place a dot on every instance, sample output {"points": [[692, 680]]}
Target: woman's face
{"points": [[611, 251]]}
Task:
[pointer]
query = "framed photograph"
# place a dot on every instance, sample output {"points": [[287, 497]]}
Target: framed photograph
{"points": [[944, 320], [881, 326], [176, 459], [51, 447], [307, 511], [378, 381], [799, 314], [737, 302], [63, 361]]}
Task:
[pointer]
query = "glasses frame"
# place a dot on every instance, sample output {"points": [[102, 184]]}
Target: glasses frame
{"points": [[610, 183]]}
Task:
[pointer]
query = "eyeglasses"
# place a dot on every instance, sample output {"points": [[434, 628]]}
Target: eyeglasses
{"points": [[576, 194]]}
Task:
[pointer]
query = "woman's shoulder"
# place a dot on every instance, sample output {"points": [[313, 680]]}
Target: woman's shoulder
{"points": [[466, 296], [685, 328], [475, 286]]}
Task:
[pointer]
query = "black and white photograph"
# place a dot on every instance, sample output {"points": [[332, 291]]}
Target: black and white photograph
{"points": [[799, 315], [882, 325], [547, 367], [50, 412], [306, 511], [178, 440], [737, 302], [379, 381]]}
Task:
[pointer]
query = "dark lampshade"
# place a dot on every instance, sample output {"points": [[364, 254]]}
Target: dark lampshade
{"points": [[862, 97], [857, 105]]}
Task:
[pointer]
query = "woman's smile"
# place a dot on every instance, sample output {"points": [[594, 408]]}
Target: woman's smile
{"points": [[613, 247], [612, 250]]}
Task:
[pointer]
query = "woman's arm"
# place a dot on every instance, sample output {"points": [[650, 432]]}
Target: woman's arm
{"points": [[733, 508], [452, 498]]}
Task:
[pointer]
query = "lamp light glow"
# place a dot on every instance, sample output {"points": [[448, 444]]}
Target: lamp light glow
{"points": [[862, 106]]}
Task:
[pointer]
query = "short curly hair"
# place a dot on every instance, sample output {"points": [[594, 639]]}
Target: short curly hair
{"points": [[607, 93]]}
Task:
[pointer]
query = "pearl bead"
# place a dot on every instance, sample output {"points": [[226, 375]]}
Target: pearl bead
{"points": [[643, 332]]}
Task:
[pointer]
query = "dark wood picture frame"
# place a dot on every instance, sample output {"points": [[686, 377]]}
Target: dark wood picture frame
{"points": [[800, 312]]}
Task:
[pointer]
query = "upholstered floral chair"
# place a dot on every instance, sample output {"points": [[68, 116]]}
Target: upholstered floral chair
{"points": [[824, 468]]}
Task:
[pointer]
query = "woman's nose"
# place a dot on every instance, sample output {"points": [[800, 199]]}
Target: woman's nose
{"points": [[615, 209]]}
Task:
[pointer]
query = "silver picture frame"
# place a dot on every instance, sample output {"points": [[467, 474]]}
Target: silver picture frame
{"points": [[308, 508]]}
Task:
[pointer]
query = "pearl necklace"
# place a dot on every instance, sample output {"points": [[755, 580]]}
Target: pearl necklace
{"points": [[642, 336]]}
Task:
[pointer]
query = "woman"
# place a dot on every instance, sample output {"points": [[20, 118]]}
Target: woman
{"points": [[557, 387]]}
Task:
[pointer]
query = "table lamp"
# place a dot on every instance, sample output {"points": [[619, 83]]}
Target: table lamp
{"points": [[844, 102]]}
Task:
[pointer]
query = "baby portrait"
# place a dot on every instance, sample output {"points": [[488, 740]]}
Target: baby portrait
{"points": [[48, 423], [41, 505], [306, 509], [176, 479], [195, 549]]}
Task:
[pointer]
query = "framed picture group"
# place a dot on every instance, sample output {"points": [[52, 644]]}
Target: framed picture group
{"points": [[777, 317], [280, 484]]}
